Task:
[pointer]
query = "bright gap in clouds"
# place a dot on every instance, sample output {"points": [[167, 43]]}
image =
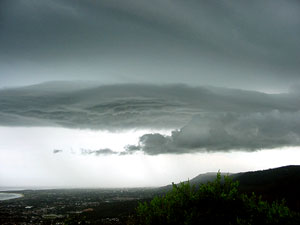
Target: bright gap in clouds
{"points": [[27, 159]]}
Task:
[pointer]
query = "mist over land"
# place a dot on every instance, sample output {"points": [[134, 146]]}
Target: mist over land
{"points": [[116, 206]]}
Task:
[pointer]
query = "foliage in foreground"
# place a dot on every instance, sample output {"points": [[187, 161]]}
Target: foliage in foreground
{"points": [[217, 202]]}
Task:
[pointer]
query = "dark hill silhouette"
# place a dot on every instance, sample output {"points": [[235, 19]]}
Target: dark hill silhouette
{"points": [[272, 184], [206, 177], [200, 179]]}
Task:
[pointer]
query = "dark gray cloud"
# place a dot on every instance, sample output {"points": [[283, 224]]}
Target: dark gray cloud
{"points": [[105, 151], [209, 118], [130, 106], [211, 132], [196, 42], [55, 151]]}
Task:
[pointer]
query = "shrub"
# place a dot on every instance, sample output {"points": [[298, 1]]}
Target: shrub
{"points": [[217, 202]]}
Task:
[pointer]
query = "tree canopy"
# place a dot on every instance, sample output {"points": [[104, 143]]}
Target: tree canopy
{"points": [[217, 202]]}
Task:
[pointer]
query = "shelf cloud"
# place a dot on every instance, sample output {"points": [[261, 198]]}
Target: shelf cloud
{"points": [[131, 106], [202, 118]]}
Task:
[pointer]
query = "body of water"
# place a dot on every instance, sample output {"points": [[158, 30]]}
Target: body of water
{"points": [[7, 196]]}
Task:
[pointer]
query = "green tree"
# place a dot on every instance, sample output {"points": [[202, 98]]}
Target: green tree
{"points": [[217, 202]]}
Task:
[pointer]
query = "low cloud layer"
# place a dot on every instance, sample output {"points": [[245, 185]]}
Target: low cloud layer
{"points": [[226, 132], [56, 151], [105, 151]]}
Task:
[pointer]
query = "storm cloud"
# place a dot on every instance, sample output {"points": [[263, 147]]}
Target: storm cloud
{"points": [[130, 106], [197, 42], [102, 87], [202, 118], [211, 132]]}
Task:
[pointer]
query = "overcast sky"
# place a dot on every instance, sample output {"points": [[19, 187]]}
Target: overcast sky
{"points": [[145, 85], [242, 44]]}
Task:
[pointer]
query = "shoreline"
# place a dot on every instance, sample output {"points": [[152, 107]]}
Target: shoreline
{"points": [[8, 196]]}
